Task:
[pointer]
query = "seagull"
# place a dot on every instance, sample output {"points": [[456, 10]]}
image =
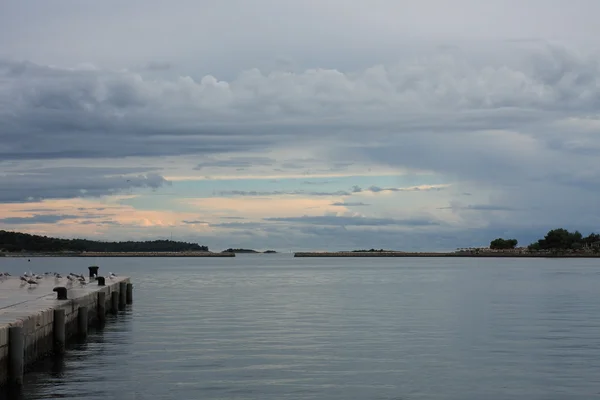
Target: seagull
{"points": [[28, 280]]}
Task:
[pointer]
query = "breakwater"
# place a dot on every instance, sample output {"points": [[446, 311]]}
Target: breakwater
{"points": [[37, 319], [433, 254], [124, 254]]}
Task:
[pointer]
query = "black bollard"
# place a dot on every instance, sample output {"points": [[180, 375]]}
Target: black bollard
{"points": [[61, 291], [93, 271], [101, 281]]}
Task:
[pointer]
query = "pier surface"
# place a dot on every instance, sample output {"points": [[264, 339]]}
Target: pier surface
{"points": [[32, 307]]}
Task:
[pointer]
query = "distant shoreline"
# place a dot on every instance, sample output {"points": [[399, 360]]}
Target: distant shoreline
{"points": [[124, 254], [434, 254]]}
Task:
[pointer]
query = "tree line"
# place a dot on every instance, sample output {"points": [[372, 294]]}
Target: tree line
{"points": [[555, 240], [19, 242]]}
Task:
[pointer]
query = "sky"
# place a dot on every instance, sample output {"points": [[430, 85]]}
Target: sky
{"points": [[300, 125]]}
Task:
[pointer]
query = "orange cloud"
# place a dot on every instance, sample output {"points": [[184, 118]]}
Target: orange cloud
{"points": [[91, 217], [260, 207]]}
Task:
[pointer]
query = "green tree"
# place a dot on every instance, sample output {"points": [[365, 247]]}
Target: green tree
{"points": [[503, 244], [562, 239]]}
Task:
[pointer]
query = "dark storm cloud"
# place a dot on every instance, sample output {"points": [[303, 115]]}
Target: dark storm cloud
{"points": [[69, 182]]}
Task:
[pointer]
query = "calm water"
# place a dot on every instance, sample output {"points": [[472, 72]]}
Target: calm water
{"points": [[275, 327]]}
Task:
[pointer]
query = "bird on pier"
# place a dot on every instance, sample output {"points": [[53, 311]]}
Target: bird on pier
{"points": [[28, 280]]}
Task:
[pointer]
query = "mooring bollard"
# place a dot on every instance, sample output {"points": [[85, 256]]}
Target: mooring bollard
{"points": [[93, 271], [16, 353], [61, 292], [101, 281], [101, 307], [114, 302], [122, 295], [130, 293], [58, 331], [82, 321]]}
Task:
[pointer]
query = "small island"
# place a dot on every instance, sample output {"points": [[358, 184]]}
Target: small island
{"points": [[18, 244], [558, 243], [248, 251]]}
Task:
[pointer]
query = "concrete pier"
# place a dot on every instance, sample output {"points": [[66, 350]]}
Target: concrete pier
{"points": [[34, 323]]}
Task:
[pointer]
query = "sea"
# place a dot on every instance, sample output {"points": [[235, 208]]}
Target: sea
{"points": [[271, 326]]}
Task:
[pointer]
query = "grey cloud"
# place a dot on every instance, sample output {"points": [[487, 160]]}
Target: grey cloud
{"points": [[353, 190], [237, 162], [101, 223], [355, 221], [68, 113], [376, 189], [316, 182], [480, 207], [281, 193], [239, 225], [69, 182], [349, 204], [37, 219], [494, 123], [158, 66], [194, 222]]}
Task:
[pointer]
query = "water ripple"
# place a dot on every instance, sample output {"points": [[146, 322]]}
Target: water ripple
{"points": [[277, 327]]}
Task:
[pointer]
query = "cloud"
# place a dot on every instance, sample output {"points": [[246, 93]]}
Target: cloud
{"points": [[239, 225], [355, 221], [158, 66], [281, 193], [349, 204], [37, 219], [20, 185], [83, 113], [237, 162], [421, 188], [194, 222], [337, 193], [513, 126], [479, 207]]}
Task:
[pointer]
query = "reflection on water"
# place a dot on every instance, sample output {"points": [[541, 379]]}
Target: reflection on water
{"points": [[269, 327]]}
